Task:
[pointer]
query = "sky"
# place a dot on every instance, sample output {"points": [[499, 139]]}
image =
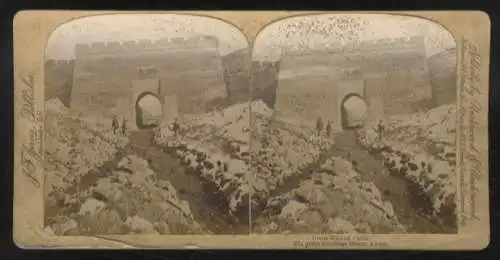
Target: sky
{"points": [[318, 31], [291, 33], [132, 27]]}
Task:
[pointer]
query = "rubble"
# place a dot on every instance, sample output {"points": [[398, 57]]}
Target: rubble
{"points": [[74, 146], [127, 198], [215, 145], [421, 147], [140, 225], [131, 203], [335, 202], [291, 185]]}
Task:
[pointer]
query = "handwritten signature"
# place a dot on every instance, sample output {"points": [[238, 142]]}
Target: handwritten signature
{"points": [[31, 151], [471, 170]]}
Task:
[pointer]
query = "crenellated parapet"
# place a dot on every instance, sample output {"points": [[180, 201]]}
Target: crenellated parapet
{"points": [[378, 56], [58, 63], [106, 74], [413, 42], [381, 46], [83, 50]]}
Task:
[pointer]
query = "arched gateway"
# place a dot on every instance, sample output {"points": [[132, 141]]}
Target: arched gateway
{"points": [[354, 111], [148, 110]]}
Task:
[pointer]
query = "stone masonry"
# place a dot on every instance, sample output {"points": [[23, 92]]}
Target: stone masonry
{"points": [[106, 75], [391, 75]]}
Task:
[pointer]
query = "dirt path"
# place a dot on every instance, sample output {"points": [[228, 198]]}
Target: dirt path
{"points": [[206, 207], [410, 205]]}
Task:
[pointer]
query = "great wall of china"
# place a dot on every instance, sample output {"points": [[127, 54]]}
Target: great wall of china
{"points": [[390, 69], [105, 75], [83, 50], [392, 76], [443, 75]]}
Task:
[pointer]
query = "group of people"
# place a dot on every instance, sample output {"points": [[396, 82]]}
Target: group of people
{"points": [[117, 128], [320, 126]]}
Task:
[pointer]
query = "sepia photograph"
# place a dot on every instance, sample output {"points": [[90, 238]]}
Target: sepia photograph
{"points": [[251, 130], [146, 126], [355, 127]]}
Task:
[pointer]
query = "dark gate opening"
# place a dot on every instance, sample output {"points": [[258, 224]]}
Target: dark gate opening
{"points": [[344, 115], [142, 119]]}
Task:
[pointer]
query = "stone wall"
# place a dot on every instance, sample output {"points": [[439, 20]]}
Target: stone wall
{"points": [[395, 72], [111, 49], [395, 76], [264, 81], [187, 67], [443, 74], [303, 99], [58, 80], [236, 71]]}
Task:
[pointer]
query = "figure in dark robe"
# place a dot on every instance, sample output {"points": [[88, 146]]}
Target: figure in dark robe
{"points": [[175, 127], [380, 129], [124, 127], [115, 125], [328, 129]]}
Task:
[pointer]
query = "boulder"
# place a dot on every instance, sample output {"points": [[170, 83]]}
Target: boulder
{"points": [[64, 224], [293, 209], [140, 225], [91, 207], [341, 226], [311, 192]]}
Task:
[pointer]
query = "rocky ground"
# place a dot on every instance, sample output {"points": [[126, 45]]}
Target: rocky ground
{"points": [[74, 146], [312, 186], [333, 199], [289, 174], [214, 173], [350, 182], [215, 146], [93, 186], [421, 148]]}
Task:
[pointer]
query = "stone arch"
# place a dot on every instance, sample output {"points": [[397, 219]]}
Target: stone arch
{"points": [[343, 113], [139, 115]]}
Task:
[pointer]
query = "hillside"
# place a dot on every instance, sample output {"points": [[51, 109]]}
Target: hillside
{"points": [[216, 147], [93, 187], [333, 199], [421, 147], [222, 166], [295, 176]]}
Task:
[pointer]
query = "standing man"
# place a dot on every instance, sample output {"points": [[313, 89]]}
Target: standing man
{"points": [[175, 127], [114, 125], [319, 126], [380, 129], [328, 128], [124, 126]]}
